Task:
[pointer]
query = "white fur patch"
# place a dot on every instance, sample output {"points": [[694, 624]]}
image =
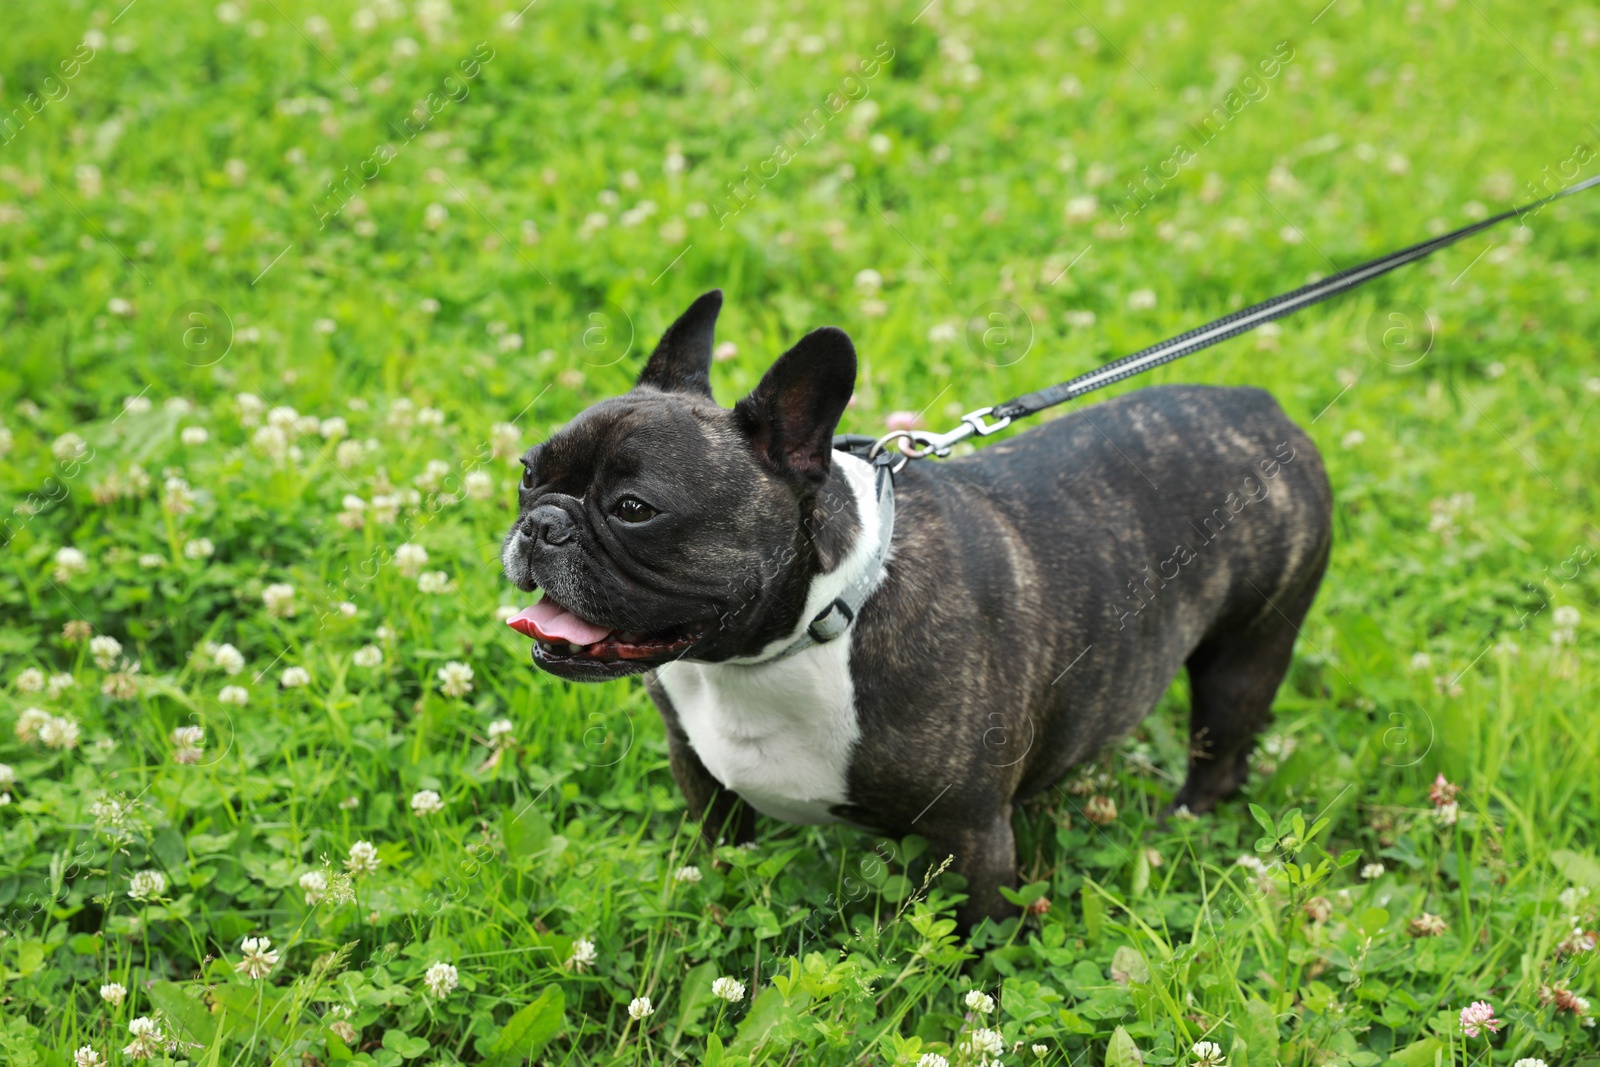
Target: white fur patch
{"points": [[781, 733]]}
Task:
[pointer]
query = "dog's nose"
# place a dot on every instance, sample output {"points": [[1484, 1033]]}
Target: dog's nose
{"points": [[551, 524]]}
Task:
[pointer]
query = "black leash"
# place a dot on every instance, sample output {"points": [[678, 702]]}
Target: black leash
{"points": [[915, 444]]}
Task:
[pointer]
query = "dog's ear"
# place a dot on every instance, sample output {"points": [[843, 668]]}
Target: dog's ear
{"points": [[790, 417], [681, 362]]}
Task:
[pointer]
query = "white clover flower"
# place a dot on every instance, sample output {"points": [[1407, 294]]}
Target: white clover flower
{"points": [[869, 280], [639, 1008], [426, 802], [1207, 1054], [1421, 661], [59, 731], [440, 980], [1530, 1061], [932, 1059], [8, 776], [478, 485], [272, 442], [152, 560], [1477, 1017], [177, 497], [432, 476], [194, 435], [1447, 814], [501, 733], [60, 683], [283, 417], [1372, 870], [236, 695], [187, 742], [455, 679], [504, 440], [729, 989], [367, 656], [363, 858], [114, 993], [295, 677], [348, 610], [410, 558], [148, 1040], [349, 804], [1565, 616], [258, 958], [147, 885], [105, 651], [1573, 897], [86, 1057], [279, 599], [1081, 208], [226, 658], [348, 454], [1041, 1051], [29, 723], [431, 417], [315, 884], [980, 1002], [69, 447], [306, 425], [434, 582], [583, 955], [1141, 300], [689, 875], [250, 408], [986, 1043], [70, 562], [199, 548], [30, 680], [331, 428], [385, 508]]}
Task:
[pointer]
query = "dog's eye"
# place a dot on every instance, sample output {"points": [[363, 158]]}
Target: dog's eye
{"points": [[632, 509], [527, 476]]}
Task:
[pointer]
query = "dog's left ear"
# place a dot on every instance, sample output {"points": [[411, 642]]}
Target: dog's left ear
{"points": [[681, 362], [790, 417]]}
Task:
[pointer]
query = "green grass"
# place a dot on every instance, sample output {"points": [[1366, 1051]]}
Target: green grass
{"points": [[189, 161]]}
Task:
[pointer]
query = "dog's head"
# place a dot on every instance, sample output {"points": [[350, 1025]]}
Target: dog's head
{"points": [[662, 526]]}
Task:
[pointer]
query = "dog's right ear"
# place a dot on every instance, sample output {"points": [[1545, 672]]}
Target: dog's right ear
{"points": [[681, 362], [790, 417]]}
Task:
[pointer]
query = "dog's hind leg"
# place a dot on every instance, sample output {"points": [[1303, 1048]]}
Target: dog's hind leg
{"points": [[1233, 677]]}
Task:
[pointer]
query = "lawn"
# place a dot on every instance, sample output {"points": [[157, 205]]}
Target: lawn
{"points": [[287, 287]]}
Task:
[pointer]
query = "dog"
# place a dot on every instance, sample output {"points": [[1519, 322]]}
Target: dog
{"points": [[822, 659]]}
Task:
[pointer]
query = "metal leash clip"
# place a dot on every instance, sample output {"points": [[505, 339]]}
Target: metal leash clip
{"points": [[918, 444]]}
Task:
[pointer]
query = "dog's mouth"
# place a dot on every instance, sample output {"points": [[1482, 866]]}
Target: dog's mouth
{"points": [[561, 636]]}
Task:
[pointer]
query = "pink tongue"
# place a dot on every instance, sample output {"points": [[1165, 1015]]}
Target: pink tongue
{"points": [[551, 621]]}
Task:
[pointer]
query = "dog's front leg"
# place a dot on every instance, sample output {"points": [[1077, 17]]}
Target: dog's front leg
{"points": [[985, 854], [723, 817]]}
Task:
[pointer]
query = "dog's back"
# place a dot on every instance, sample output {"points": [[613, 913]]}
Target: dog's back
{"points": [[1044, 592]]}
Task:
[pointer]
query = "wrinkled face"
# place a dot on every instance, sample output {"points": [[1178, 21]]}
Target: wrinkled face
{"points": [[649, 525], [660, 526]]}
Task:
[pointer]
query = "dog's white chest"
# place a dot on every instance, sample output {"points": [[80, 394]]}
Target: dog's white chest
{"points": [[779, 734]]}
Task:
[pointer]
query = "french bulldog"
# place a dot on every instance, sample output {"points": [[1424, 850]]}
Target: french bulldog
{"points": [[1026, 605]]}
